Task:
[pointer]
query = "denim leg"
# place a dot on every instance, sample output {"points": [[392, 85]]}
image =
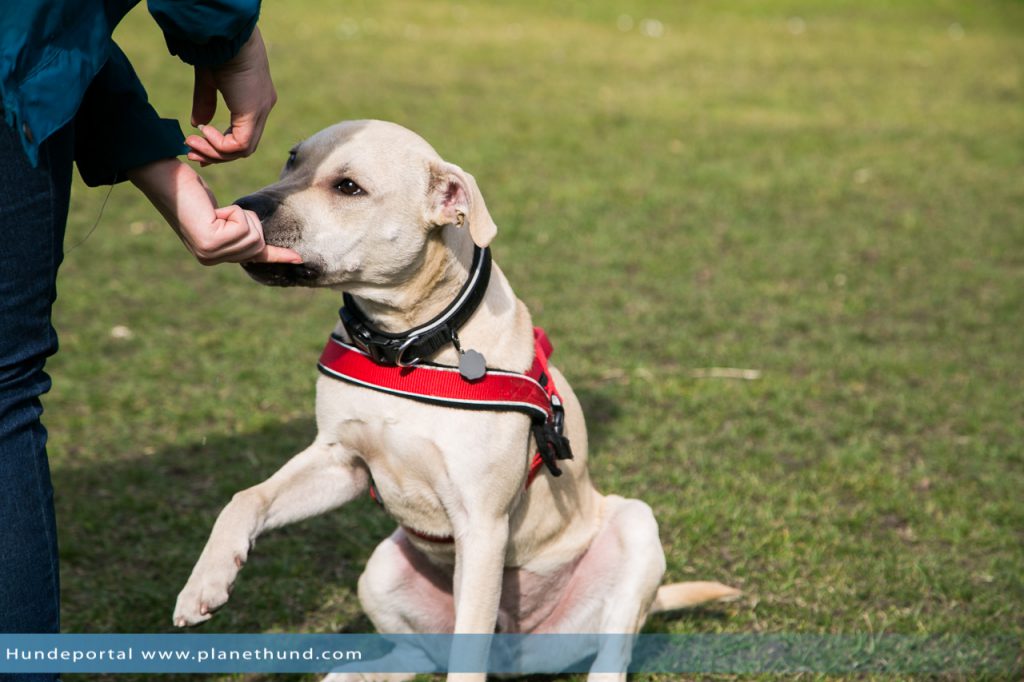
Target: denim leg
{"points": [[33, 212]]}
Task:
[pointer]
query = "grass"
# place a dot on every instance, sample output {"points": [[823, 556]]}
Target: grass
{"points": [[827, 192]]}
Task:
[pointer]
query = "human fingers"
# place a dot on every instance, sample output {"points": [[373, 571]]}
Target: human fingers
{"points": [[209, 147], [276, 254], [234, 237], [201, 151], [244, 134], [249, 94], [241, 137], [204, 96], [257, 251], [264, 253], [248, 228]]}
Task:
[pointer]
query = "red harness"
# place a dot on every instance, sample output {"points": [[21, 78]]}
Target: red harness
{"points": [[533, 393]]}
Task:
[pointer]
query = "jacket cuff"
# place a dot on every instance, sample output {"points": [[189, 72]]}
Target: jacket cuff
{"points": [[163, 140], [116, 129], [214, 51]]}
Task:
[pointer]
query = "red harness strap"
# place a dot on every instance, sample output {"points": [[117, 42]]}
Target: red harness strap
{"points": [[443, 385], [533, 393]]}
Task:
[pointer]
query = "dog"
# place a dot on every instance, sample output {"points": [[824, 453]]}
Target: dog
{"points": [[487, 541]]}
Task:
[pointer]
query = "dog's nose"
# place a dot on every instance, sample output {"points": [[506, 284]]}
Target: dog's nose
{"points": [[260, 204]]}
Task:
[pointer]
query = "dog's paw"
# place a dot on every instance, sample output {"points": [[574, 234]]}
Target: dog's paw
{"points": [[205, 592]]}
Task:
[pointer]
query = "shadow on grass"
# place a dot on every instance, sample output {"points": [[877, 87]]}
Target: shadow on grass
{"points": [[132, 526], [601, 410], [699, 618], [130, 531]]}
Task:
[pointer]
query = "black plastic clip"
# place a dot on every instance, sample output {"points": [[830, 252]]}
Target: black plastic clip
{"points": [[551, 441]]}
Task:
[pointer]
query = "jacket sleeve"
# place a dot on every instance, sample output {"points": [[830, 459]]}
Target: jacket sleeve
{"points": [[116, 128], [205, 32]]}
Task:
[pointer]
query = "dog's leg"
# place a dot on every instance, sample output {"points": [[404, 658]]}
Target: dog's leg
{"points": [[403, 593], [632, 531], [610, 592], [480, 547], [320, 478], [617, 601]]}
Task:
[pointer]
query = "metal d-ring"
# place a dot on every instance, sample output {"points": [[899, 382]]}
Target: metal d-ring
{"points": [[401, 351]]}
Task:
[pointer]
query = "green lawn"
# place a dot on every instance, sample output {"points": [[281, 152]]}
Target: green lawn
{"points": [[828, 192]]}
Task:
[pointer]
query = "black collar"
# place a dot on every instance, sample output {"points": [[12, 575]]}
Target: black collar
{"points": [[416, 344]]}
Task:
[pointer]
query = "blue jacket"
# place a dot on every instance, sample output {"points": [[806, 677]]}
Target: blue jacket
{"points": [[58, 63]]}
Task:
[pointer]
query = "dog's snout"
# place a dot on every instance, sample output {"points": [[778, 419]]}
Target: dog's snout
{"points": [[260, 204]]}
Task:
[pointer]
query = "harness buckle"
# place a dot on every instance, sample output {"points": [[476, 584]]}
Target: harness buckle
{"points": [[551, 446], [558, 418], [550, 436]]}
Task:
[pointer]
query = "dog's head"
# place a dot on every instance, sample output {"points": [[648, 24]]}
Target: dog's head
{"points": [[358, 201]]}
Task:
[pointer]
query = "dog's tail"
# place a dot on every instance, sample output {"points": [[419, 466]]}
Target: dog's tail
{"points": [[683, 595]]}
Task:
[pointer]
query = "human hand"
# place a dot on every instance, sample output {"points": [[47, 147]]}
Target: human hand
{"points": [[235, 235], [249, 94], [213, 235]]}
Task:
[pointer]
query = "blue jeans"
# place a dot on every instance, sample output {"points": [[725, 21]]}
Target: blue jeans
{"points": [[33, 212]]}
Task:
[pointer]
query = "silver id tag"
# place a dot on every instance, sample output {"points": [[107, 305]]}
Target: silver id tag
{"points": [[472, 365]]}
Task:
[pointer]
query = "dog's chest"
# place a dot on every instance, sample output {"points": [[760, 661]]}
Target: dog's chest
{"points": [[413, 505], [426, 459], [406, 446]]}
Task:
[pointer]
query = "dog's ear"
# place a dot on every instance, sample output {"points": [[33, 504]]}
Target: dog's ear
{"points": [[455, 199]]}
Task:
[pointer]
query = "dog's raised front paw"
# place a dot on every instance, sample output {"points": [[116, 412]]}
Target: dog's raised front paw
{"points": [[205, 592]]}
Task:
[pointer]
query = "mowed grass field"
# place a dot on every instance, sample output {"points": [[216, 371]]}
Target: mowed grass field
{"points": [[830, 193]]}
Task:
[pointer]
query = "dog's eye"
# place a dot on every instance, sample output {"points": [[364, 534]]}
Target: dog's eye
{"points": [[348, 187], [291, 159]]}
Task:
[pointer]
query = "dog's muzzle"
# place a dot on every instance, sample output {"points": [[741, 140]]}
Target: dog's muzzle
{"points": [[275, 274], [260, 204]]}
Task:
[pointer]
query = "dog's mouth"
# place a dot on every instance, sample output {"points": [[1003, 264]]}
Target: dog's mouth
{"points": [[283, 274]]}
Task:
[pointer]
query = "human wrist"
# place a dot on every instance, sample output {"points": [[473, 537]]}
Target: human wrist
{"points": [[176, 191]]}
